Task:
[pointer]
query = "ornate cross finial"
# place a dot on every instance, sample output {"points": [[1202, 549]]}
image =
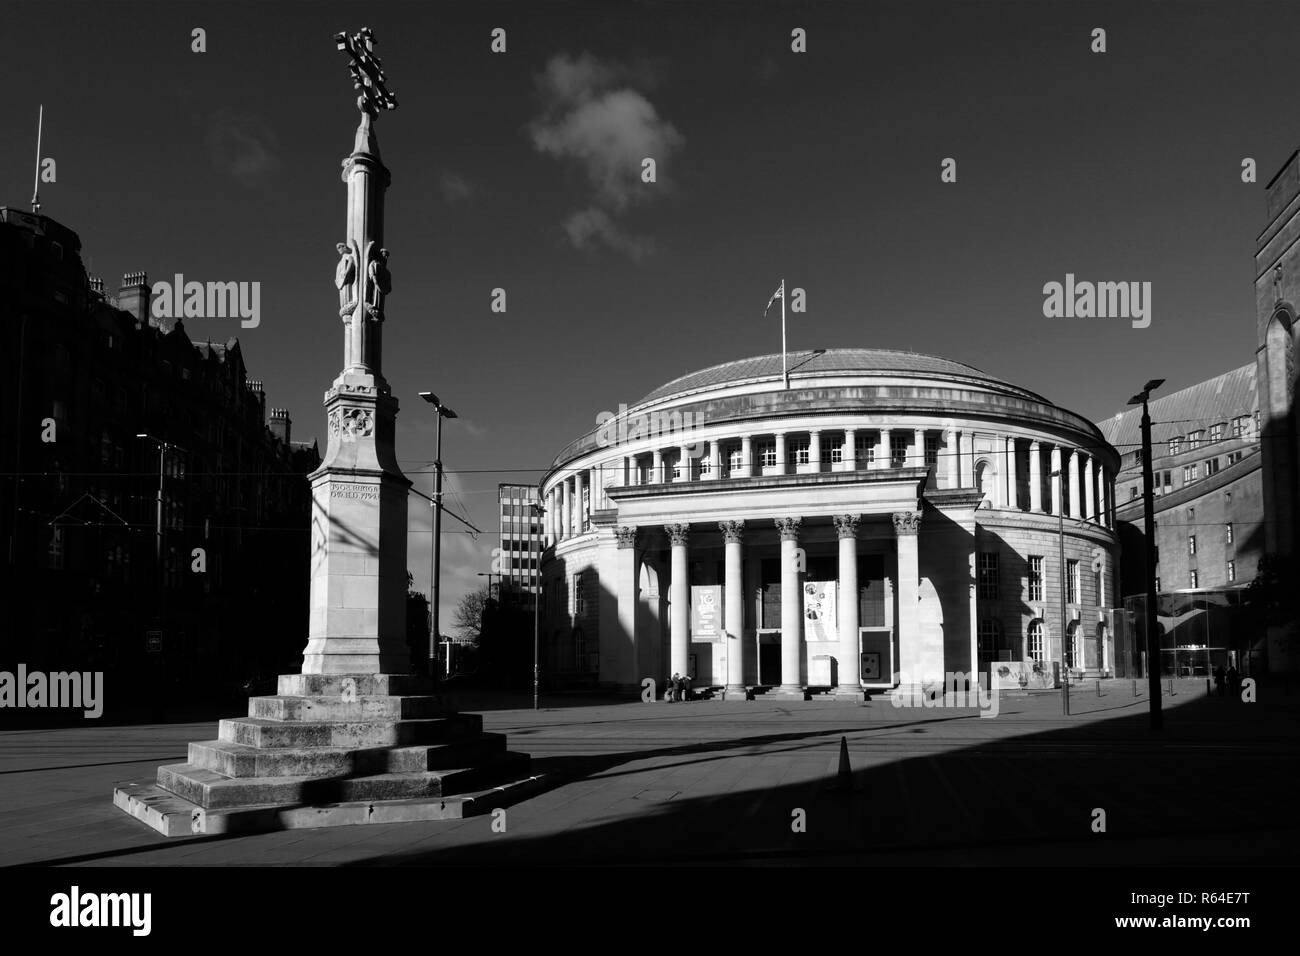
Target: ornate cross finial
{"points": [[367, 72]]}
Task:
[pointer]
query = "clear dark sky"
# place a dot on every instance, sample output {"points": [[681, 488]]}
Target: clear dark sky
{"points": [[516, 171]]}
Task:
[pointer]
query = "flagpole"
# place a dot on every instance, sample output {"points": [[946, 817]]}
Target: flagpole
{"points": [[36, 182], [785, 374]]}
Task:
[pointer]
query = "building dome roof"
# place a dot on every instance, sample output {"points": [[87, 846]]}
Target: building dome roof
{"points": [[822, 362]]}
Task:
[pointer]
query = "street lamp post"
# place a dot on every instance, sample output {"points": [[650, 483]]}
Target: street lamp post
{"points": [[1149, 530], [538, 513], [1065, 647], [442, 411]]}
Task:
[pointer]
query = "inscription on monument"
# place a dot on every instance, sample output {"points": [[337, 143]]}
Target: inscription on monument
{"points": [[357, 492]]}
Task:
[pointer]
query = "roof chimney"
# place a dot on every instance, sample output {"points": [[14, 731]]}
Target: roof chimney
{"points": [[280, 424], [133, 297]]}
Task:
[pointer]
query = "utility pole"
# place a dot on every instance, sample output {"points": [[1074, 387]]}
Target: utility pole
{"points": [[537, 600], [442, 411], [1149, 529]]}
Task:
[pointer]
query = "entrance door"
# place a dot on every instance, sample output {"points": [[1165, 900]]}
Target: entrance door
{"points": [[769, 655]]}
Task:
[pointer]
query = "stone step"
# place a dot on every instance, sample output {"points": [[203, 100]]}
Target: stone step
{"points": [[174, 816], [267, 734], [241, 760], [210, 789], [353, 685], [360, 708]]}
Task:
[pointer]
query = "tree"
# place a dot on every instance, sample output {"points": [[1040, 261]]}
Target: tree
{"points": [[469, 615]]}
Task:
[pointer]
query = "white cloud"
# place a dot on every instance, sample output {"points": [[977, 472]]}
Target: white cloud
{"points": [[592, 118]]}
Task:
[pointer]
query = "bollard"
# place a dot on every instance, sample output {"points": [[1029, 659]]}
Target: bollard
{"points": [[1098, 688], [1171, 687], [1207, 687], [1135, 688]]}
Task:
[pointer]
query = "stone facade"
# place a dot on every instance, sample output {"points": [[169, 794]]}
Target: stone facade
{"points": [[904, 479]]}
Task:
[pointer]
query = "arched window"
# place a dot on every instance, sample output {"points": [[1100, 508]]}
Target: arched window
{"points": [[1074, 652], [983, 474], [1034, 645]]}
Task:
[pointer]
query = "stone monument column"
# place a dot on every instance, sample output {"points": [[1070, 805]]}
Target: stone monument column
{"points": [[358, 542]]}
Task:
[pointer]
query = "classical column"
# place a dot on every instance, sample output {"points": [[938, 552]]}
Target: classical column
{"points": [[1104, 501], [884, 451], [1056, 484], [552, 515], [846, 527], [815, 449], [780, 453], [849, 451], [657, 467], [578, 526], [1073, 471], [625, 593], [566, 510], [918, 448], [791, 605], [679, 601], [629, 471], [911, 655], [715, 460], [1013, 479], [1090, 492], [734, 605], [746, 457], [950, 457], [967, 463], [1035, 477]]}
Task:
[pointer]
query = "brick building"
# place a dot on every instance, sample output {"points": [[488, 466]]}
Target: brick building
{"points": [[82, 518]]}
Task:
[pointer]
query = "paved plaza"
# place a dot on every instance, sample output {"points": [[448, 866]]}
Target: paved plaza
{"points": [[729, 782]]}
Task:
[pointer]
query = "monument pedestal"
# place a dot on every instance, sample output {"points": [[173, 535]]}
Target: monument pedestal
{"points": [[333, 750]]}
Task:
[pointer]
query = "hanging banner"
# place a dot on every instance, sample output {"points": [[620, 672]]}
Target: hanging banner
{"points": [[706, 612], [819, 610]]}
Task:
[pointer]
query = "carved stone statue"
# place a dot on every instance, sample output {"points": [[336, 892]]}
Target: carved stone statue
{"points": [[380, 284], [345, 278]]}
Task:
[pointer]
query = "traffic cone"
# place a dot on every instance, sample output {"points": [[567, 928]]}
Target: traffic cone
{"points": [[845, 775]]}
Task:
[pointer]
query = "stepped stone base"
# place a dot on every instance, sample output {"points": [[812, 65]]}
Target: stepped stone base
{"points": [[333, 750]]}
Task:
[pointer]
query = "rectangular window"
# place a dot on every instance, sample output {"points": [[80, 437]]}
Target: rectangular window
{"points": [[1157, 585], [1072, 582], [1132, 492], [1194, 440], [1191, 544], [871, 590], [767, 454], [988, 574], [797, 451], [579, 598], [898, 451], [1229, 534], [864, 451], [1169, 481], [734, 461], [1191, 575], [1211, 467], [1216, 432], [1096, 588], [832, 454], [1232, 571], [1234, 457], [932, 451], [1035, 578], [1175, 445], [1035, 641]]}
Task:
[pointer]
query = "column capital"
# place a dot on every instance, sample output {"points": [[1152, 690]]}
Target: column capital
{"points": [[626, 535], [732, 531], [677, 533], [789, 528], [846, 526], [907, 522]]}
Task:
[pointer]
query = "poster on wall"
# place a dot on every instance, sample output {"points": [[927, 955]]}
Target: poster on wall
{"points": [[819, 611], [706, 612]]}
